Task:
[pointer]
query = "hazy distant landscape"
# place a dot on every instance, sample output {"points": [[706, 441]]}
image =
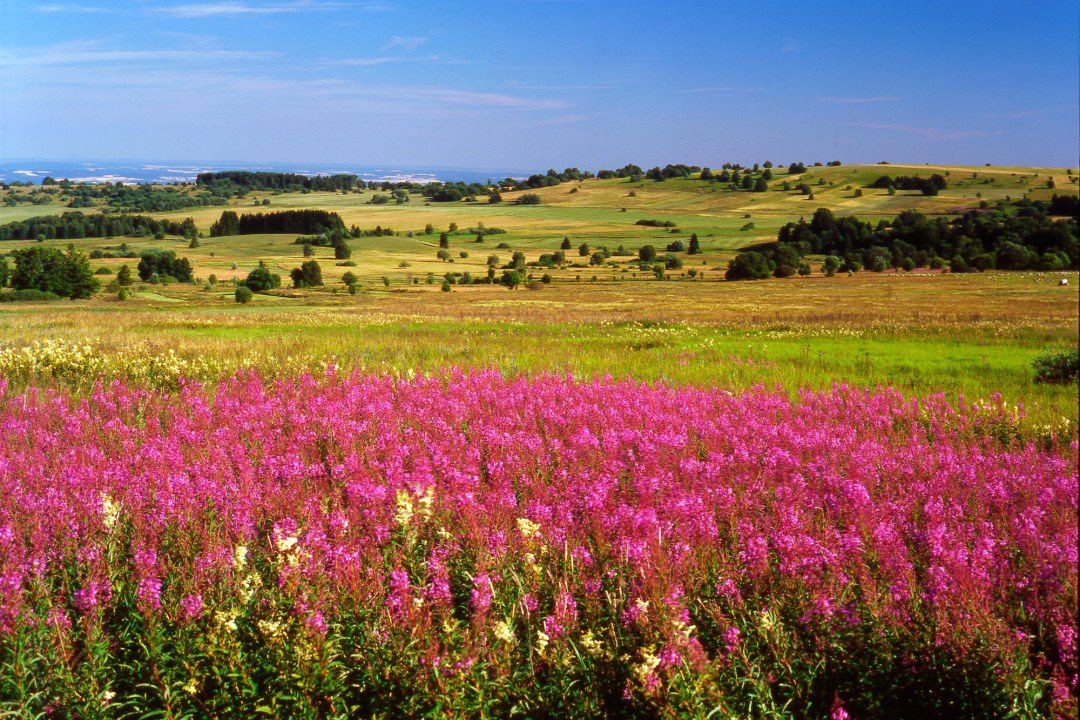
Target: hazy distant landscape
{"points": [[539, 360]]}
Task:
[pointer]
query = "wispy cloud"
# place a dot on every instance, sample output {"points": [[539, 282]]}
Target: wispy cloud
{"points": [[557, 120], [407, 43], [718, 91], [930, 133], [390, 59], [558, 88], [1030, 114], [73, 9], [858, 100], [87, 53], [233, 9], [465, 98]]}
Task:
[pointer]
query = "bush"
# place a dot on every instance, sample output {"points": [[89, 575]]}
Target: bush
{"points": [[528, 199], [261, 279], [1057, 368], [28, 295], [243, 294], [748, 266]]}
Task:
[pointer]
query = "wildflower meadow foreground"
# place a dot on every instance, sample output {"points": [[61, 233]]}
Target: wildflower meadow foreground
{"points": [[476, 545]]}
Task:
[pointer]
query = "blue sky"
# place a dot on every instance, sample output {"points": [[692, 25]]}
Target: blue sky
{"points": [[533, 84]]}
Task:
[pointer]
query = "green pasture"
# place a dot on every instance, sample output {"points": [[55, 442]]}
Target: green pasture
{"points": [[923, 333]]}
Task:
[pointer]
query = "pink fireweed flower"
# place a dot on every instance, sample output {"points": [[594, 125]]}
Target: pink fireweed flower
{"points": [[317, 623], [95, 593], [482, 594], [149, 594], [191, 607]]}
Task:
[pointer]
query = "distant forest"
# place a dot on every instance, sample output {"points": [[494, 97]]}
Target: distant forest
{"points": [[74, 225], [1020, 237], [303, 222]]}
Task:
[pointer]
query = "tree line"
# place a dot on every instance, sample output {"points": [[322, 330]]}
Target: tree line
{"points": [[301, 222], [244, 180], [1024, 236], [927, 186], [74, 225]]}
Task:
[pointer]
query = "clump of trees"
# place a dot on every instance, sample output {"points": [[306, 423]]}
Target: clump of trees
{"points": [[74, 225], [1023, 236], [927, 186], [309, 222], [261, 279], [163, 264], [234, 181], [307, 275], [48, 270], [335, 240]]}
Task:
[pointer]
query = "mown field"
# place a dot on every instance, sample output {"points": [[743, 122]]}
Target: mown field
{"points": [[606, 495]]}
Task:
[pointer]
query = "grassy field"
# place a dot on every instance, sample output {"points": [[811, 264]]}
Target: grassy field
{"points": [[922, 332], [347, 526]]}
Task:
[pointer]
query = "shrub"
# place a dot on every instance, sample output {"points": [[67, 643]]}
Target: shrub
{"points": [[28, 295], [261, 279], [1057, 368], [748, 266], [243, 294]]}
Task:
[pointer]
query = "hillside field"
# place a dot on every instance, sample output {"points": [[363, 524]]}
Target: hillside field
{"points": [[608, 492]]}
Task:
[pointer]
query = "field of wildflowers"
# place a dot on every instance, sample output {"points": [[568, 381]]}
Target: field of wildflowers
{"points": [[472, 544]]}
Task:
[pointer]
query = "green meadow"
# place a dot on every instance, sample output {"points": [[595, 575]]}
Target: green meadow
{"points": [[921, 332]]}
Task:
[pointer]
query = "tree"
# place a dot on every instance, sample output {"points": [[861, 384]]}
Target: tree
{"points": [[748, 266], [583, 250], [528, 199], [495, 198], [760, 185], [49, 270], [695, 245], [565, 243], [349, 278], [123, 275], [444, 240], [243, 294], [341, 250], [647, 253], [227, 224], [261, 279], [443, 254], [307, 275], [830, 266], [511, 279]]}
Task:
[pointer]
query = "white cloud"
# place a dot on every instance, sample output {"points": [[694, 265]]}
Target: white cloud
{"points": [[858, 100], [81, 54], [407, 43], [76, 9], [234, 9]]}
